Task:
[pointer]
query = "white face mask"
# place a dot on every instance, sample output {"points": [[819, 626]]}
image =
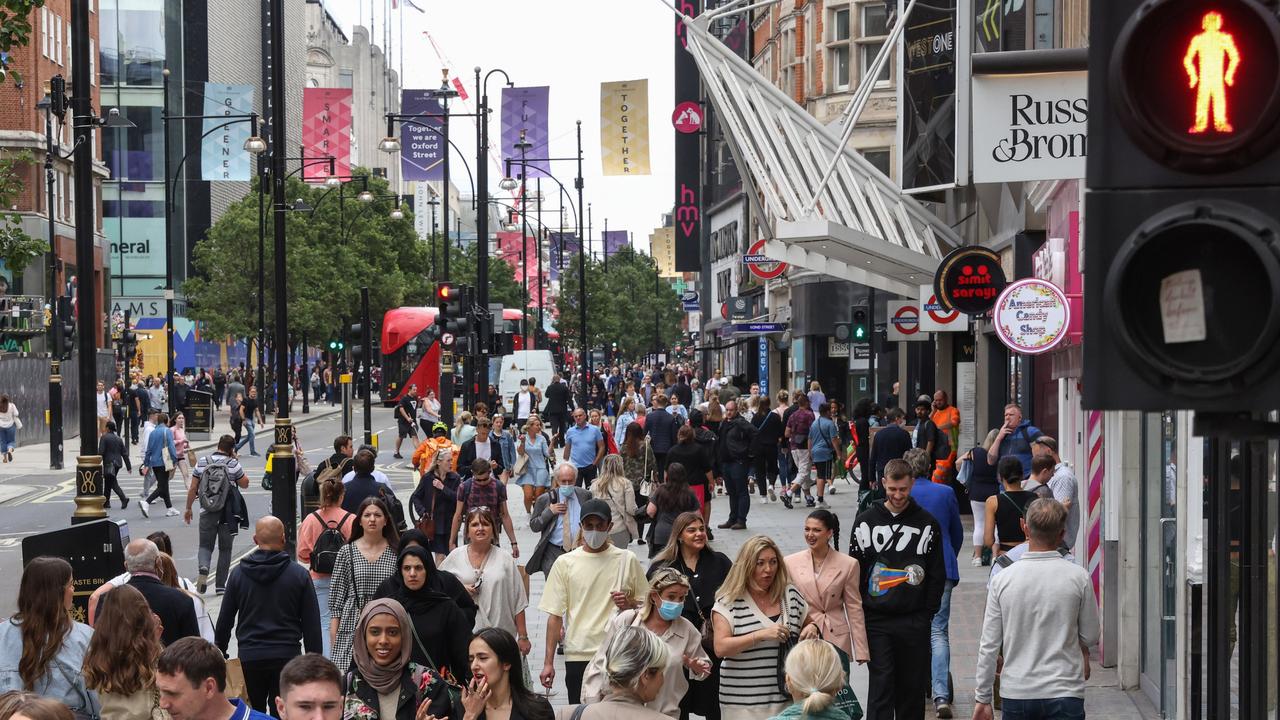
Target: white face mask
{"points": [[595, 539]]}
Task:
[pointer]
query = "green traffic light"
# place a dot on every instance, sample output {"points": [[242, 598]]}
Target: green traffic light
{"points": [[859, 333]]}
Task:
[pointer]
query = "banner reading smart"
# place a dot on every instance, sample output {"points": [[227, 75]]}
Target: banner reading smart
{"points": [[326, 130]]}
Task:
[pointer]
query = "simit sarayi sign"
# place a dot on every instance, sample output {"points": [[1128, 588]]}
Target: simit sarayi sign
{"points": [[1029, 127]]}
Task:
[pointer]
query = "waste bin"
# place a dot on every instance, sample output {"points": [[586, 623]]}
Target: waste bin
{"points": [[199, 414], [94, 549]]}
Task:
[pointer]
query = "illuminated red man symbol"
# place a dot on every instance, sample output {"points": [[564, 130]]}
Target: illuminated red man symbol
{"points": [[1213, 47]]}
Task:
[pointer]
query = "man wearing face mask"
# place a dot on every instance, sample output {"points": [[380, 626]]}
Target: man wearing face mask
{"points": [[523, 403], [588, 584], [557, 515]]}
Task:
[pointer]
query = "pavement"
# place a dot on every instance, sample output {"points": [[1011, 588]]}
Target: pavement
{"points": [[34, 499]]}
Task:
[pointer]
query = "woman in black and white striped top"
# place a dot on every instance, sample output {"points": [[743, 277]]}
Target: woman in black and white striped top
{"points": [[757, 609]]}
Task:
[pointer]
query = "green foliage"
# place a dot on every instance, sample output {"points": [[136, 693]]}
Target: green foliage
{"points": [[17, 248], [331, 252], [15, 30], [621, 305]]}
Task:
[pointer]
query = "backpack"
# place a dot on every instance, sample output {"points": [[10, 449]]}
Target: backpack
{"points": [[214, 486], [941, 444], [324, 554]]}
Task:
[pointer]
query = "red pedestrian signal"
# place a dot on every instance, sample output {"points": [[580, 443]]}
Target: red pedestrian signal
{"points": [[445, 293], [1199, 88], [1210, 75]]}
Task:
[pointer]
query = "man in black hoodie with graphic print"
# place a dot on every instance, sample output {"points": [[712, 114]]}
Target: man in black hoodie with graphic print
{"points": [[898, 546], [276, 604]]}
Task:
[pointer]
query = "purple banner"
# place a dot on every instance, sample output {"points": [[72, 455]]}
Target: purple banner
{"points": [[562, 245], [421, 148], [525, 108], [615, 240]]}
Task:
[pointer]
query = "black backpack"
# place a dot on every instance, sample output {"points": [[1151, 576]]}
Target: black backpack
{"points": [[325, 552]]}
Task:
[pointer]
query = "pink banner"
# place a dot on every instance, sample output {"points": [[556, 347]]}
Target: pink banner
{"points": [[326, 130], [510, 247]]}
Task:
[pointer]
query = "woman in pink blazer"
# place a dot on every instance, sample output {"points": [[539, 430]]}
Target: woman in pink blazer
{"points": [[829, 582]]}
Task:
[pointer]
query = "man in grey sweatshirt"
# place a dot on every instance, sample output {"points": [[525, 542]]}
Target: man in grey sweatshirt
{"points": [[1044, 666]]}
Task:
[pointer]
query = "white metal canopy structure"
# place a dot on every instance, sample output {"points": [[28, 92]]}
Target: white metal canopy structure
{"points": [[862, 227]]}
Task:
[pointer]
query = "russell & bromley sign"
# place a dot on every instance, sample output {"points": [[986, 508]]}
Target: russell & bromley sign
{"points": [[1029, 127]]}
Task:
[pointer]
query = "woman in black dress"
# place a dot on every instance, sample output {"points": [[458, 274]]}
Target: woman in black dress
{"points": [[435, 500], [689, 551], [440, 630]]}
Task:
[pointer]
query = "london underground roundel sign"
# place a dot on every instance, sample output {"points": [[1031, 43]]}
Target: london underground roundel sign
{"points": [[1197, 84], [767, 269]]}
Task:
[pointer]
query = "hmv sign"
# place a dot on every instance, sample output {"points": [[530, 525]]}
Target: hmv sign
{"points": [[1029, 127]]}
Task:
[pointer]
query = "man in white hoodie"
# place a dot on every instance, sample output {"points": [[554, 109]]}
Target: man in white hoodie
{"points": [[1044, 666]]}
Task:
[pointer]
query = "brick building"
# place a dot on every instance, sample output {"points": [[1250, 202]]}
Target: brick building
{"points": [[22, 129]]}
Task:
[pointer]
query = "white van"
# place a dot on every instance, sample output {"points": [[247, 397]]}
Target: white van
{"points": [[522, 365]]}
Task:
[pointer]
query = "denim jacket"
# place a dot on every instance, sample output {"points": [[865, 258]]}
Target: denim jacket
{"points": [[160, 438], [63, 680]]}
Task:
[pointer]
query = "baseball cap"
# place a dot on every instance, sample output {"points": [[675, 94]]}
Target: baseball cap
{"points": [[598, 508]]}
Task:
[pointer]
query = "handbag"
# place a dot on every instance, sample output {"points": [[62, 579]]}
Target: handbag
{"points": [[236, 687], [646, 482], [521, 466], [707, 631], [445, 674], [426, 523], [784, 648], [846, 701], [397, 509]]}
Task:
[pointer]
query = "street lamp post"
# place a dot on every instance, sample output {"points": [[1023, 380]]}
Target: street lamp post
{"points": [[481, 194], [253, 144], [54, 336], [284, 498]]}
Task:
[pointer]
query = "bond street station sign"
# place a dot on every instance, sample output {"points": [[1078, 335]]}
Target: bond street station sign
{"points": [[1029, 127]]}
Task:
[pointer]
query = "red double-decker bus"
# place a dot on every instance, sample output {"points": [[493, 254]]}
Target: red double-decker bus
{"points": [[411, 354]]}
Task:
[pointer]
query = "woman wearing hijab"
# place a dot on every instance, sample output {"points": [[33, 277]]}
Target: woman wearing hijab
{"points": [[442, 580], [440, 632], [384, 683]]}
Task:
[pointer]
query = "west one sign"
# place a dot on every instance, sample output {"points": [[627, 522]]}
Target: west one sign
{"points": [[1029, 127]]}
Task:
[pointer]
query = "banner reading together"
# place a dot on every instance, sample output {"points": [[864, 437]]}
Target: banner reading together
{"points": [[624, 127]]}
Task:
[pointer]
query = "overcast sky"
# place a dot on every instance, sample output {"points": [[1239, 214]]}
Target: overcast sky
{"points": [[570, 45]]}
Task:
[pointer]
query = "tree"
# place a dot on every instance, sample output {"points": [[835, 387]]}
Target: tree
{"points": [[15, 31], [334, 250], [623, 305], [17, 248]]}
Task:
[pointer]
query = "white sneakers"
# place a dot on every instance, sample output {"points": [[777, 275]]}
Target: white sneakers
{"points": [[171, 512], [145, 507]]}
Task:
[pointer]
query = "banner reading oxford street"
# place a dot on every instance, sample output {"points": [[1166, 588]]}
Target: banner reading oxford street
{"points": [[222, 154], [326, 130], [421, 148], [624, 127], [525, 108]]}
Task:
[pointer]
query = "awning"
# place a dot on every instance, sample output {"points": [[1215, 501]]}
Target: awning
{"points": [[863, 228]]}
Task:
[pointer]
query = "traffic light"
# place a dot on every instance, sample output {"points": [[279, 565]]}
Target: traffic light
{"points": [[355, 332], [64, 338], [128, 341], [1182, 272], [860, 327], [336, 345]]}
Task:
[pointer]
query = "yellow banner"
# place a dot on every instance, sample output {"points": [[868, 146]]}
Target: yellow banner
{"points": [[662, 247], [624, 127]]}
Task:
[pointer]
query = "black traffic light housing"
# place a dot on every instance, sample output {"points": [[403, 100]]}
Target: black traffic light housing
{"points": [[1182, 271], [860, 326], [65, 338], [355, 337]]}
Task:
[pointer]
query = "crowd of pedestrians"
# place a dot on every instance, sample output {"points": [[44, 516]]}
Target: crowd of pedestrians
{"points": [[427, 616]]}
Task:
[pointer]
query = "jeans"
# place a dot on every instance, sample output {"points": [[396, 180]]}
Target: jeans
{"points": [[162, 486], [940, 646], [1065, 708], [322, 597], [8, 438], [785, 470], [212, 530], [248, 438], [735, 486]]}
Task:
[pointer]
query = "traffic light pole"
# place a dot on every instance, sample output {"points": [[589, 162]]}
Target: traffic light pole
{"points": [[366, 353], [89, 499]]}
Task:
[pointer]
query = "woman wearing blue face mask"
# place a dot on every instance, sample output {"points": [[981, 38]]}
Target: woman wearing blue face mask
{"points": [[661, 614]]}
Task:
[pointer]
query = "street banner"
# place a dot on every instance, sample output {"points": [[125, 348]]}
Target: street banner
{"points": [[932, 93], [525, 108], [421, 145], [624, 127], [615, 240], [222, 154], [326, 130], [564, 248], [687, 241]]}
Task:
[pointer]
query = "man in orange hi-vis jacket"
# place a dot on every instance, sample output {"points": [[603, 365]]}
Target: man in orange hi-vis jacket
{"points": [[947, 418]]}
